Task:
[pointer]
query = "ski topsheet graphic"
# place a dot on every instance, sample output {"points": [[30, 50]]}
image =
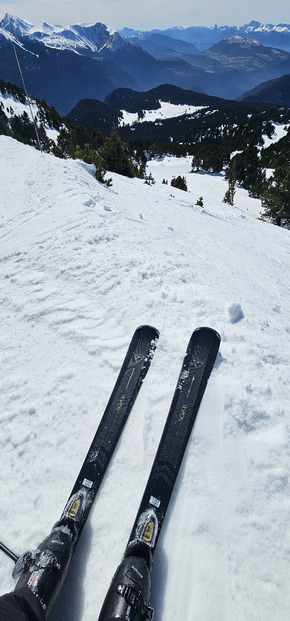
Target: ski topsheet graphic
{"points": [[42, 571], [128, 595]]}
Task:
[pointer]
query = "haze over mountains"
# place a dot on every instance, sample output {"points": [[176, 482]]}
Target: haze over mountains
{"points": [[273, 91], [63, 64], [204, 37]]}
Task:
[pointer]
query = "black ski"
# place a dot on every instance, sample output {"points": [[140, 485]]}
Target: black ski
{"points": [[128, 595], [42, 571]]}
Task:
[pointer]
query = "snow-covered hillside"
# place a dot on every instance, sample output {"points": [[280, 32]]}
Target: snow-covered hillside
{"points": [[166, 111], [82, 265], [79, 38]]}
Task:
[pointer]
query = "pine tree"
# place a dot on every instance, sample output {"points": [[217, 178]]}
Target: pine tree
{"points": [[114, 155], [87, 154], [196, 163], [276, 198], [245, 168], [180, 183], [90, 156], [101, 171], [149, 179], [230, 193]]}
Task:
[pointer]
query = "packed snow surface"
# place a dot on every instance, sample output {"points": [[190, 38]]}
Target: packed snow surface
{"points": [[82, 265]]}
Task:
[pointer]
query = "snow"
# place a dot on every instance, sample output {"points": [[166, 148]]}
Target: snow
{"points": [[167, 110], [280, 131], [77, 38], [82, 265], [201, 184], [51, 133], [10, 37], [13, 107]]}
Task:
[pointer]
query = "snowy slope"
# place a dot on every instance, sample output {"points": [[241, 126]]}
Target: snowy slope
{"points": [[166, 111], [81, 266], [79, 38]]}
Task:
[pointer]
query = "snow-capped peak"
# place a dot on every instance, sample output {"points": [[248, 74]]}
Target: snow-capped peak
{"points": [[255, 26], [236, 39], [15, 25], [77, 37]]}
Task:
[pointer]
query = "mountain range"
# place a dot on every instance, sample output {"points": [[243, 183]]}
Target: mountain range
{"points": [[64, 64], [202, 37]]}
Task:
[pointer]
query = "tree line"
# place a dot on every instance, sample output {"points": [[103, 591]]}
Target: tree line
{"points": [[231, 140]]}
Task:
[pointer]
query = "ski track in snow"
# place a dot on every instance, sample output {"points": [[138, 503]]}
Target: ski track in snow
{"points": [[81, 266]]}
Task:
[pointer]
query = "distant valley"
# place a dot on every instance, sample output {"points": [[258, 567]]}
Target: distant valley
{"points": [[64, 65]]}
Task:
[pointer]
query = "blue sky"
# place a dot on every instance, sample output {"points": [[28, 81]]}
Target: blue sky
{"points": [[149, 14]]}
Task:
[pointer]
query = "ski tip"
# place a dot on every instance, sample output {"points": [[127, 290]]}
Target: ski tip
{"points": [[209, 331], [149, 328]]}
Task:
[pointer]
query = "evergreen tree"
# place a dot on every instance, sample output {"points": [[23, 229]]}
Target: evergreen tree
{"points": [[196, 163], [180, 183], [276, 198], [23, 129], [4, 127], [101, 171], [87, 154], [230, 193], [140, 160], [149, 179], [114, 155], [90, 156], [245, 168]]}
